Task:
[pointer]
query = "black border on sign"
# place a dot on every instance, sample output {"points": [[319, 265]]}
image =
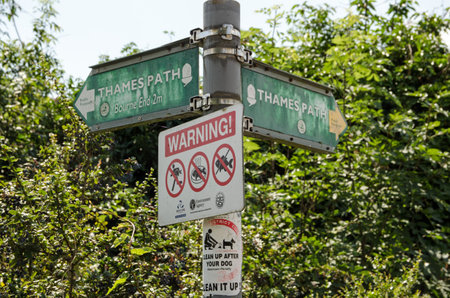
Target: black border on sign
{"points": [[214, 161], [184, 178], [189, 171]]}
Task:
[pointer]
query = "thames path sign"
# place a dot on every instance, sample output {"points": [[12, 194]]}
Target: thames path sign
{"points": [[291, 109], [146, 87]]}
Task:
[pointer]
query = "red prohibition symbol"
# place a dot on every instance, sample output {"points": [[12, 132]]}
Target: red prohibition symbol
{"points": [[198, 171], [175, 177], [224, 164]]}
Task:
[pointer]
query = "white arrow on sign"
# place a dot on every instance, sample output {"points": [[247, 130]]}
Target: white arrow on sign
{"points": [[85, 102]]}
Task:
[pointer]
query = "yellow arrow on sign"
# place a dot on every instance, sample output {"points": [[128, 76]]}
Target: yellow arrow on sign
{"points": [[337, 122]]}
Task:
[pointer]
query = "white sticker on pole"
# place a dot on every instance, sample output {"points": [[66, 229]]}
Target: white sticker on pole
{"points": [[200, 164], [222, 255]]}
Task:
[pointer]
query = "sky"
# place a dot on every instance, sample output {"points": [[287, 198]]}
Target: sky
{"points": [[91, 28]]}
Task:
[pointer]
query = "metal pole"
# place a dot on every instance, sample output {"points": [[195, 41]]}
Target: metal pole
{"points": [[222, 72], [222, 238]]}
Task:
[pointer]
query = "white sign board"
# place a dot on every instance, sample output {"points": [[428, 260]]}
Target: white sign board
{"points": [[201, 167], [222, 255]]}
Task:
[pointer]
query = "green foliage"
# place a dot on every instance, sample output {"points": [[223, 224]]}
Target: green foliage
{"points": [[380, 285], [384, 194], [74, 221], [78, 212]]}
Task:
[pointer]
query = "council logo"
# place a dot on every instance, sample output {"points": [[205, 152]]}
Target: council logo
{"points": [[220, 200]]}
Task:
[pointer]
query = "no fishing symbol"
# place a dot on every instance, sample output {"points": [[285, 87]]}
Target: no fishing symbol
{"points": [[224, 164], [175, 177], [198, 171]]}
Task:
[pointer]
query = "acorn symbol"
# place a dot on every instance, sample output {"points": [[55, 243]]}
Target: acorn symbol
{"points": [[187, 74], [251, 94]]}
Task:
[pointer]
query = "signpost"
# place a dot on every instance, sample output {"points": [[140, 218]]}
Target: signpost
{"points": [[201, 167], [200, 173], [146, 87], [291, 109]]}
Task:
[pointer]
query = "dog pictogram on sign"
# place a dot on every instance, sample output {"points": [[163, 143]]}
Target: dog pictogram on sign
{"points": [[175, 178], [198, 171], [224, 164]]}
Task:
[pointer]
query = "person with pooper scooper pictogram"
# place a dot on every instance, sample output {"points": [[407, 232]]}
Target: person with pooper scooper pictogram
{"points": [[210, 242]]}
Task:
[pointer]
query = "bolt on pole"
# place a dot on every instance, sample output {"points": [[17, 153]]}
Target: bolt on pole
{"points": [[222, 238]]}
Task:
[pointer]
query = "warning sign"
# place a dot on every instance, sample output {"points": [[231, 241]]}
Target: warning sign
{"points": [[222, 255], [193, 152]]}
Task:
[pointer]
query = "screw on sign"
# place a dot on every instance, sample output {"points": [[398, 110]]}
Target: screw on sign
{"points": [[223, 164], [175, 177], [198, 171]]}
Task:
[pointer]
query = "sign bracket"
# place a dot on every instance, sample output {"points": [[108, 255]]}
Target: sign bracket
{"points": [[247, 124], [242, 55], [226, 32], [200, 103]]}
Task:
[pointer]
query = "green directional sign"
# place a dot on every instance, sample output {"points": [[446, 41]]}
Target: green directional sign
{"points": [[145, 87], [291, 109]]}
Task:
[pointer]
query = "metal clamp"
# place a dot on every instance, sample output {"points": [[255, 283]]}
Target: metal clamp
{"points": [[226, 32], [242, 55], [247, 124], [200, 103]]}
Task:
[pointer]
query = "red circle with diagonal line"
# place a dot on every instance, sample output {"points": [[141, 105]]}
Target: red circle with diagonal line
{"points": [[198, 171], [224, 164], [175, 178]]}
